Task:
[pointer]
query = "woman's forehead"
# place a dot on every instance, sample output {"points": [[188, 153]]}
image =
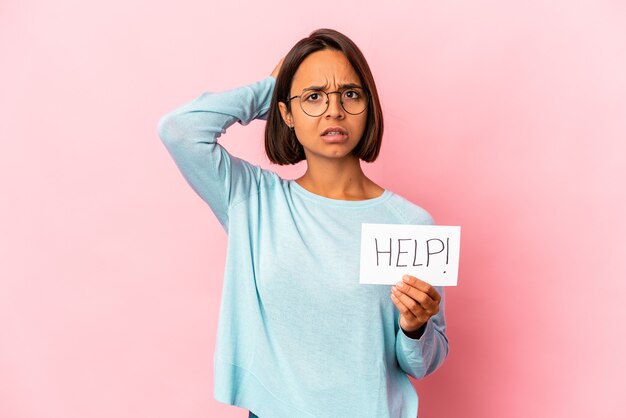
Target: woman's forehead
{"points": [[325, 69]]}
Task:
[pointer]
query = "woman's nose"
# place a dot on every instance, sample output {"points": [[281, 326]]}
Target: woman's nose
{"points": [[335, 108]]}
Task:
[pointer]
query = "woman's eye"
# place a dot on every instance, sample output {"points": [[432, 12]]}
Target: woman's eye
{"points": [[351, 94], [313, 97]]}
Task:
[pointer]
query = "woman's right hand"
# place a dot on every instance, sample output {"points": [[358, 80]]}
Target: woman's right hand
{"points": [[277, 69]]}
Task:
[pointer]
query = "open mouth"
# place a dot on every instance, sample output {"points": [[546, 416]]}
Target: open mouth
{"points": [[334, 134]]}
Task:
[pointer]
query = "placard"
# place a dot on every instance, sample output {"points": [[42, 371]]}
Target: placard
{"points": [[428, 252]]}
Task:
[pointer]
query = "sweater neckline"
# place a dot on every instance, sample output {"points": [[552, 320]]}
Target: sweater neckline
{"points": [[386, 194]]}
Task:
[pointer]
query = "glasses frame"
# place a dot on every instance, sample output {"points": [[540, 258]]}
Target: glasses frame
{"points": [[340, 92]]}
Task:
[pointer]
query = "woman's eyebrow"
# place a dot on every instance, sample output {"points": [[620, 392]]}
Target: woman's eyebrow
{"points": [[341, 87]]}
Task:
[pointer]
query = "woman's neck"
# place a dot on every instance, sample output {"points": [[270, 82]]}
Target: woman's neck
{"points": [[336, 179]]}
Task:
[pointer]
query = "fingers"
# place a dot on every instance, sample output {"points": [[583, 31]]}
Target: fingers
{"points": [[277, 68], [422, 298], [412, 316], [416, 300], [406, 305], [422, 286], [417, 295]]}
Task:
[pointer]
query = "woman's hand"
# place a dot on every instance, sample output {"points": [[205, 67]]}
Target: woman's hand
{"points": [[277, 69], [416, 300]]}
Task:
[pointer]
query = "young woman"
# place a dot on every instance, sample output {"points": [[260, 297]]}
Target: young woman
{"points": [[298, 336]]}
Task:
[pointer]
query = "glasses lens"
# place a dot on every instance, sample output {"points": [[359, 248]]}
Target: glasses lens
{"points": [[315, 102], [354, 100]]}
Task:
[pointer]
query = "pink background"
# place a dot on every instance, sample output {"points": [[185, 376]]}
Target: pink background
{"points": [[505, 117]]}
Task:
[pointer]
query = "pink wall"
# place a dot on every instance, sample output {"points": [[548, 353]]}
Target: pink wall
{"points": [[505, 117]]}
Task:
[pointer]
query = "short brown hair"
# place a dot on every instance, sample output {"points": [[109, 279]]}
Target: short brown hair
{"points": [[281, 144]]}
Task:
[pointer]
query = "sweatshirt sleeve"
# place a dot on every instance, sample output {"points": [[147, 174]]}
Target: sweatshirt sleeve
{"points": [[421, 357], [190, 134]]}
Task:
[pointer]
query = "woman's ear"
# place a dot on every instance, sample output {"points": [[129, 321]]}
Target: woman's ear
{"points": [[286, 114]]}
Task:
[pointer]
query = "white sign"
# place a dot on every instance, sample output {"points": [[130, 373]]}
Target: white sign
{"points": [[428, 252]]}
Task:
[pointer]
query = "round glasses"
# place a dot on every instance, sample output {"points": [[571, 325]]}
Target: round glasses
{"points": [[315, 102]]}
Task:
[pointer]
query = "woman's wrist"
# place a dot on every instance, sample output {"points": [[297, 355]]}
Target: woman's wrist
{"points": [[417, 334]]}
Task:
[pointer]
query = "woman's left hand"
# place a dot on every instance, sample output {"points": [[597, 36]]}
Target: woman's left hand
{"points": [[416, 300]]}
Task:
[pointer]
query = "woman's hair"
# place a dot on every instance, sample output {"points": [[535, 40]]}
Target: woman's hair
{"points": [[281, 144]]}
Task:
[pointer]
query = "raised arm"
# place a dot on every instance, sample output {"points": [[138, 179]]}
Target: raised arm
{"points": [[190, 134]]}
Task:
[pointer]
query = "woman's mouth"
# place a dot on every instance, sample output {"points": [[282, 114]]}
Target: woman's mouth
{"points": [[333, 134], [334, 137]]}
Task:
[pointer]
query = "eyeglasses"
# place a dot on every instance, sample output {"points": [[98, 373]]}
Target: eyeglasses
{"points": [[315, 102]]}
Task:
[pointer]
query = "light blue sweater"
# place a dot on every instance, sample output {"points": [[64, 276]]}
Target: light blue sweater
{"points": [[298, 336]]}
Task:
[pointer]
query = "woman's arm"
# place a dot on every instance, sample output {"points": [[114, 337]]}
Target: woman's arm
{"points": [[422, 356], [190, 135]]}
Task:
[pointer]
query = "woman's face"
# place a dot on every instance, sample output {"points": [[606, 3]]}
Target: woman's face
{"points": [[330, 71]]}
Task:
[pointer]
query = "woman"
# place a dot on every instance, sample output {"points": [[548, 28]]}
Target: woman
{"points": [[298, 336]]}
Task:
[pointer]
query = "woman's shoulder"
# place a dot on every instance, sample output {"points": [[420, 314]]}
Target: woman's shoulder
{"points": [[411, 212]]}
